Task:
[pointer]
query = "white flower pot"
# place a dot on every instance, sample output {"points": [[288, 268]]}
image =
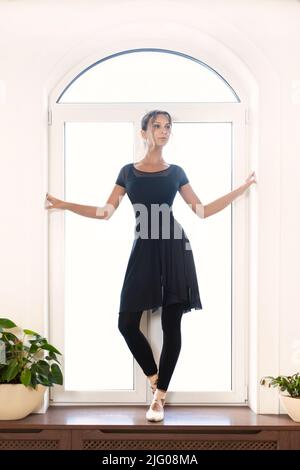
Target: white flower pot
{"points": [[18, 401], [292, 406]]}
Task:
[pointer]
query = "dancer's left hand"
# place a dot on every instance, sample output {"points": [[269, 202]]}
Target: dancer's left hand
{"points": [[251, 178]]}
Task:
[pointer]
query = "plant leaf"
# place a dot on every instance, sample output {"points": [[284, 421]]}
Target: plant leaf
{"points": [[7, 336], [6, 323], [49, 347], [26, 377], [31, 333], [57, 376], [43, 368], [43, 380], [33, 348], [11, 371]]}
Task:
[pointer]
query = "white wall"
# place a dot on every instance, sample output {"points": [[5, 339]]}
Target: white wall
{"points": [[257, 42]]}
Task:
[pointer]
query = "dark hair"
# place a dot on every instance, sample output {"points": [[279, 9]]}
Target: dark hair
{"points": [[153, 114]]}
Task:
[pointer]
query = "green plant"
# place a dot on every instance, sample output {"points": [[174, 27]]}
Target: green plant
{"points": [[289, 383], [23, 360]]}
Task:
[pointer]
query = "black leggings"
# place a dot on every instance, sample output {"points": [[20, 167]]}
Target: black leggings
{"points": [[129, 326]]}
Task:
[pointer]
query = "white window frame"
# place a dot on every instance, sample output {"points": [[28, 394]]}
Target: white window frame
{"points": [[235, 113]]}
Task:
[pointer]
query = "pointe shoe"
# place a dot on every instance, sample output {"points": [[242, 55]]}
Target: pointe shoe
{"points": [[153, 382], [156, 410]]}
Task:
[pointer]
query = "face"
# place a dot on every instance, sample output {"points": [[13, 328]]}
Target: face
{"points": [[158, 131]]}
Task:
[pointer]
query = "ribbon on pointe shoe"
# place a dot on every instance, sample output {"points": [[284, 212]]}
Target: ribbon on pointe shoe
{"points": [[153, 379], [159, 398], [156, 409]]}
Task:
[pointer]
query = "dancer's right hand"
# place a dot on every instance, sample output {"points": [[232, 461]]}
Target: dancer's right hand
{"points": [[54, 202]]}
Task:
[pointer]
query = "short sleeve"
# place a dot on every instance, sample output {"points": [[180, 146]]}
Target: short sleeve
{"points": [[182, 178], [121, 179]]}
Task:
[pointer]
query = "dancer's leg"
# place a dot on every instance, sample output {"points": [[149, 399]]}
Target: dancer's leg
{"points": [[129, 326], [171, 326]]}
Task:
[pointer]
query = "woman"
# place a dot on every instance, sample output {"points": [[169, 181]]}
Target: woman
{"points": [[161, 270]]}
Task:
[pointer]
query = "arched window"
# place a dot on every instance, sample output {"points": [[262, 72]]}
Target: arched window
{"points": [[94, 131], [146, 75]]}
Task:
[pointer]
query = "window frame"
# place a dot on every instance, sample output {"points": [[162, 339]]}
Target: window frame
{"points": [[185, 112]]}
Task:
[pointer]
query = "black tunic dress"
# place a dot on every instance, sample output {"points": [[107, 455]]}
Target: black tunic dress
{"points": [[161, 269]]}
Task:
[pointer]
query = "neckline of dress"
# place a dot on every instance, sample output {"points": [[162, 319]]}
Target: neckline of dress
{"points": [[151, 172]]}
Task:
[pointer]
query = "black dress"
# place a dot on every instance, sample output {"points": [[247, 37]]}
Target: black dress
{"points": [[161, 269]]}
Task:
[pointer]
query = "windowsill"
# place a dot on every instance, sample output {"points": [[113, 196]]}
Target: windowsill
{"points": [[187, 417]]}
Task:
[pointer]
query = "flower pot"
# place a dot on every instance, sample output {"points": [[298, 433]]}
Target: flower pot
{"points": [[292, 406], [18, 401]]}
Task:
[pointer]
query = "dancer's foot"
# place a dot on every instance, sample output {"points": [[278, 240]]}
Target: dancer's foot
{"points": [[156, 410], [153, 382]]}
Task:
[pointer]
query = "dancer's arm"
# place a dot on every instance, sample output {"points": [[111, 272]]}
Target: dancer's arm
{"points": [[191, 198], [219, 204], [103, 212]]}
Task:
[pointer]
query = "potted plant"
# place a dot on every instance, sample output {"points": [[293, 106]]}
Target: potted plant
{"points": [[28, 364], [291, 385]]}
